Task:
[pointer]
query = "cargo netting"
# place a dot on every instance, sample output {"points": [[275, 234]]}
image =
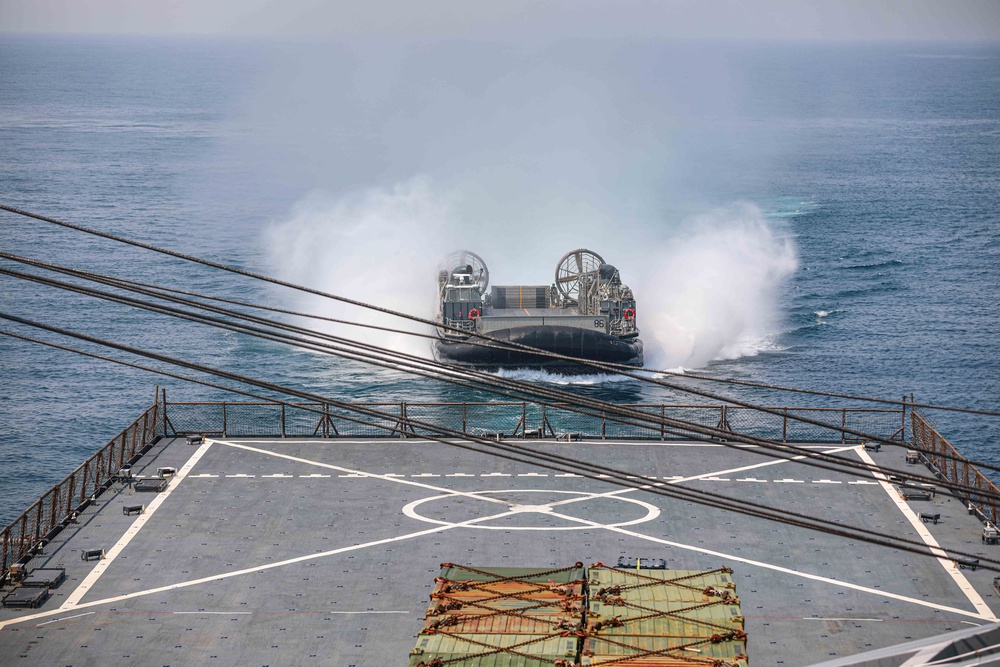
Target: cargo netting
{"points": [[572, 617]]}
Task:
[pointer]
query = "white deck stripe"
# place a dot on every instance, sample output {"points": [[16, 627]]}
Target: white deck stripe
{"points": [[731, 557], [547, 441], [815, 577], [361, 473], [134, 529], [66, 618], [678, 480], [250, 570], [918, 525]]}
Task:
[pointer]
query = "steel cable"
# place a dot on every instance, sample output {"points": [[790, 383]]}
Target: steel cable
{"points": [[525, 388], [686, 427], [619, 478], [627, 371]]}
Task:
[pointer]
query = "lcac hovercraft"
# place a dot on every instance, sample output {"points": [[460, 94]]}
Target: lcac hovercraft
{"points": [[586, 314]]}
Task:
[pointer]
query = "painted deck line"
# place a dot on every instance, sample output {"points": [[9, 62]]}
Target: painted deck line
{"points": [[217, 613], [547, 441], [133, 530], [424, 475], [354, 613], [66, 618], [835, 450], [853, 620], [260, 568], [948, 564], [777, 568], [678, 480], [361, 473]]}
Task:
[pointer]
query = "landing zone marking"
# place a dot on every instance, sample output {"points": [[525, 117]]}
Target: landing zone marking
{"points": [[133, 530], [947, 563]]}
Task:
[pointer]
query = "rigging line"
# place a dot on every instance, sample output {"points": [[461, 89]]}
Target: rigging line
{"points": [[496, 344], [776, 412], [489, 382], [836, 463], [686, 427], [682, 374], [715, 500], [531, 390], [361, 304], [524, 388]]}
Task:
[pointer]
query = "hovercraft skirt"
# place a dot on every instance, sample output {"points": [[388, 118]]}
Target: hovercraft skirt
{"points": [[577, 343]]}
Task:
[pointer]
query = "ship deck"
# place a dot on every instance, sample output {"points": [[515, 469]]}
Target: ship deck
{"points": [[311, 551]]}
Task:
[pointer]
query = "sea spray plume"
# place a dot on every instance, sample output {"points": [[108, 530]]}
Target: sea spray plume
{"points": [[379, 246], [712, 292]]}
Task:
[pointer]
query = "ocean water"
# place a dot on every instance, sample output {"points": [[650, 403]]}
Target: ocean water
{"points": [[820, 216]]}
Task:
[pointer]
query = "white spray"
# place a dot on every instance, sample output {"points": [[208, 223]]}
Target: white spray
{"points": [[708, 290], [380, 247], [711, 292]]}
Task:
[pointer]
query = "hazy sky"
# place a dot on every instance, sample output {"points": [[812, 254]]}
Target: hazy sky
{"points": [[519, 19]]}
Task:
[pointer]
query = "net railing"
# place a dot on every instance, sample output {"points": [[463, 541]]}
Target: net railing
{"points": [[512, 419], [525, 420], [59, 505], [945, 460]]}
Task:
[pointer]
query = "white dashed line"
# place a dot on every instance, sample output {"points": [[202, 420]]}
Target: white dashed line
{"points": [[865, 482], [66, 618], [713, 478], [88, 582]]}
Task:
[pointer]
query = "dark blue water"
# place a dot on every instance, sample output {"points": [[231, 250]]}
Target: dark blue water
{"points": [[879, 165]]}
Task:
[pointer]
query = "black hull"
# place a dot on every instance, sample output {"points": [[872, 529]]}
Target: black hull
{"points": [[568, 341]]}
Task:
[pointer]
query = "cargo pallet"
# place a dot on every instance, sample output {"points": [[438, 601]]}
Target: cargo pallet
{"points": [[576, 616]]}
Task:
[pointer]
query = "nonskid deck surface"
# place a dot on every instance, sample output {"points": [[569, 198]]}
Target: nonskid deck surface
{"points": [[296, 552]]}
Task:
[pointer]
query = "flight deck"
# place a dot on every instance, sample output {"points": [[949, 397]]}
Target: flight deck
{"points": [[324, 551]]}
